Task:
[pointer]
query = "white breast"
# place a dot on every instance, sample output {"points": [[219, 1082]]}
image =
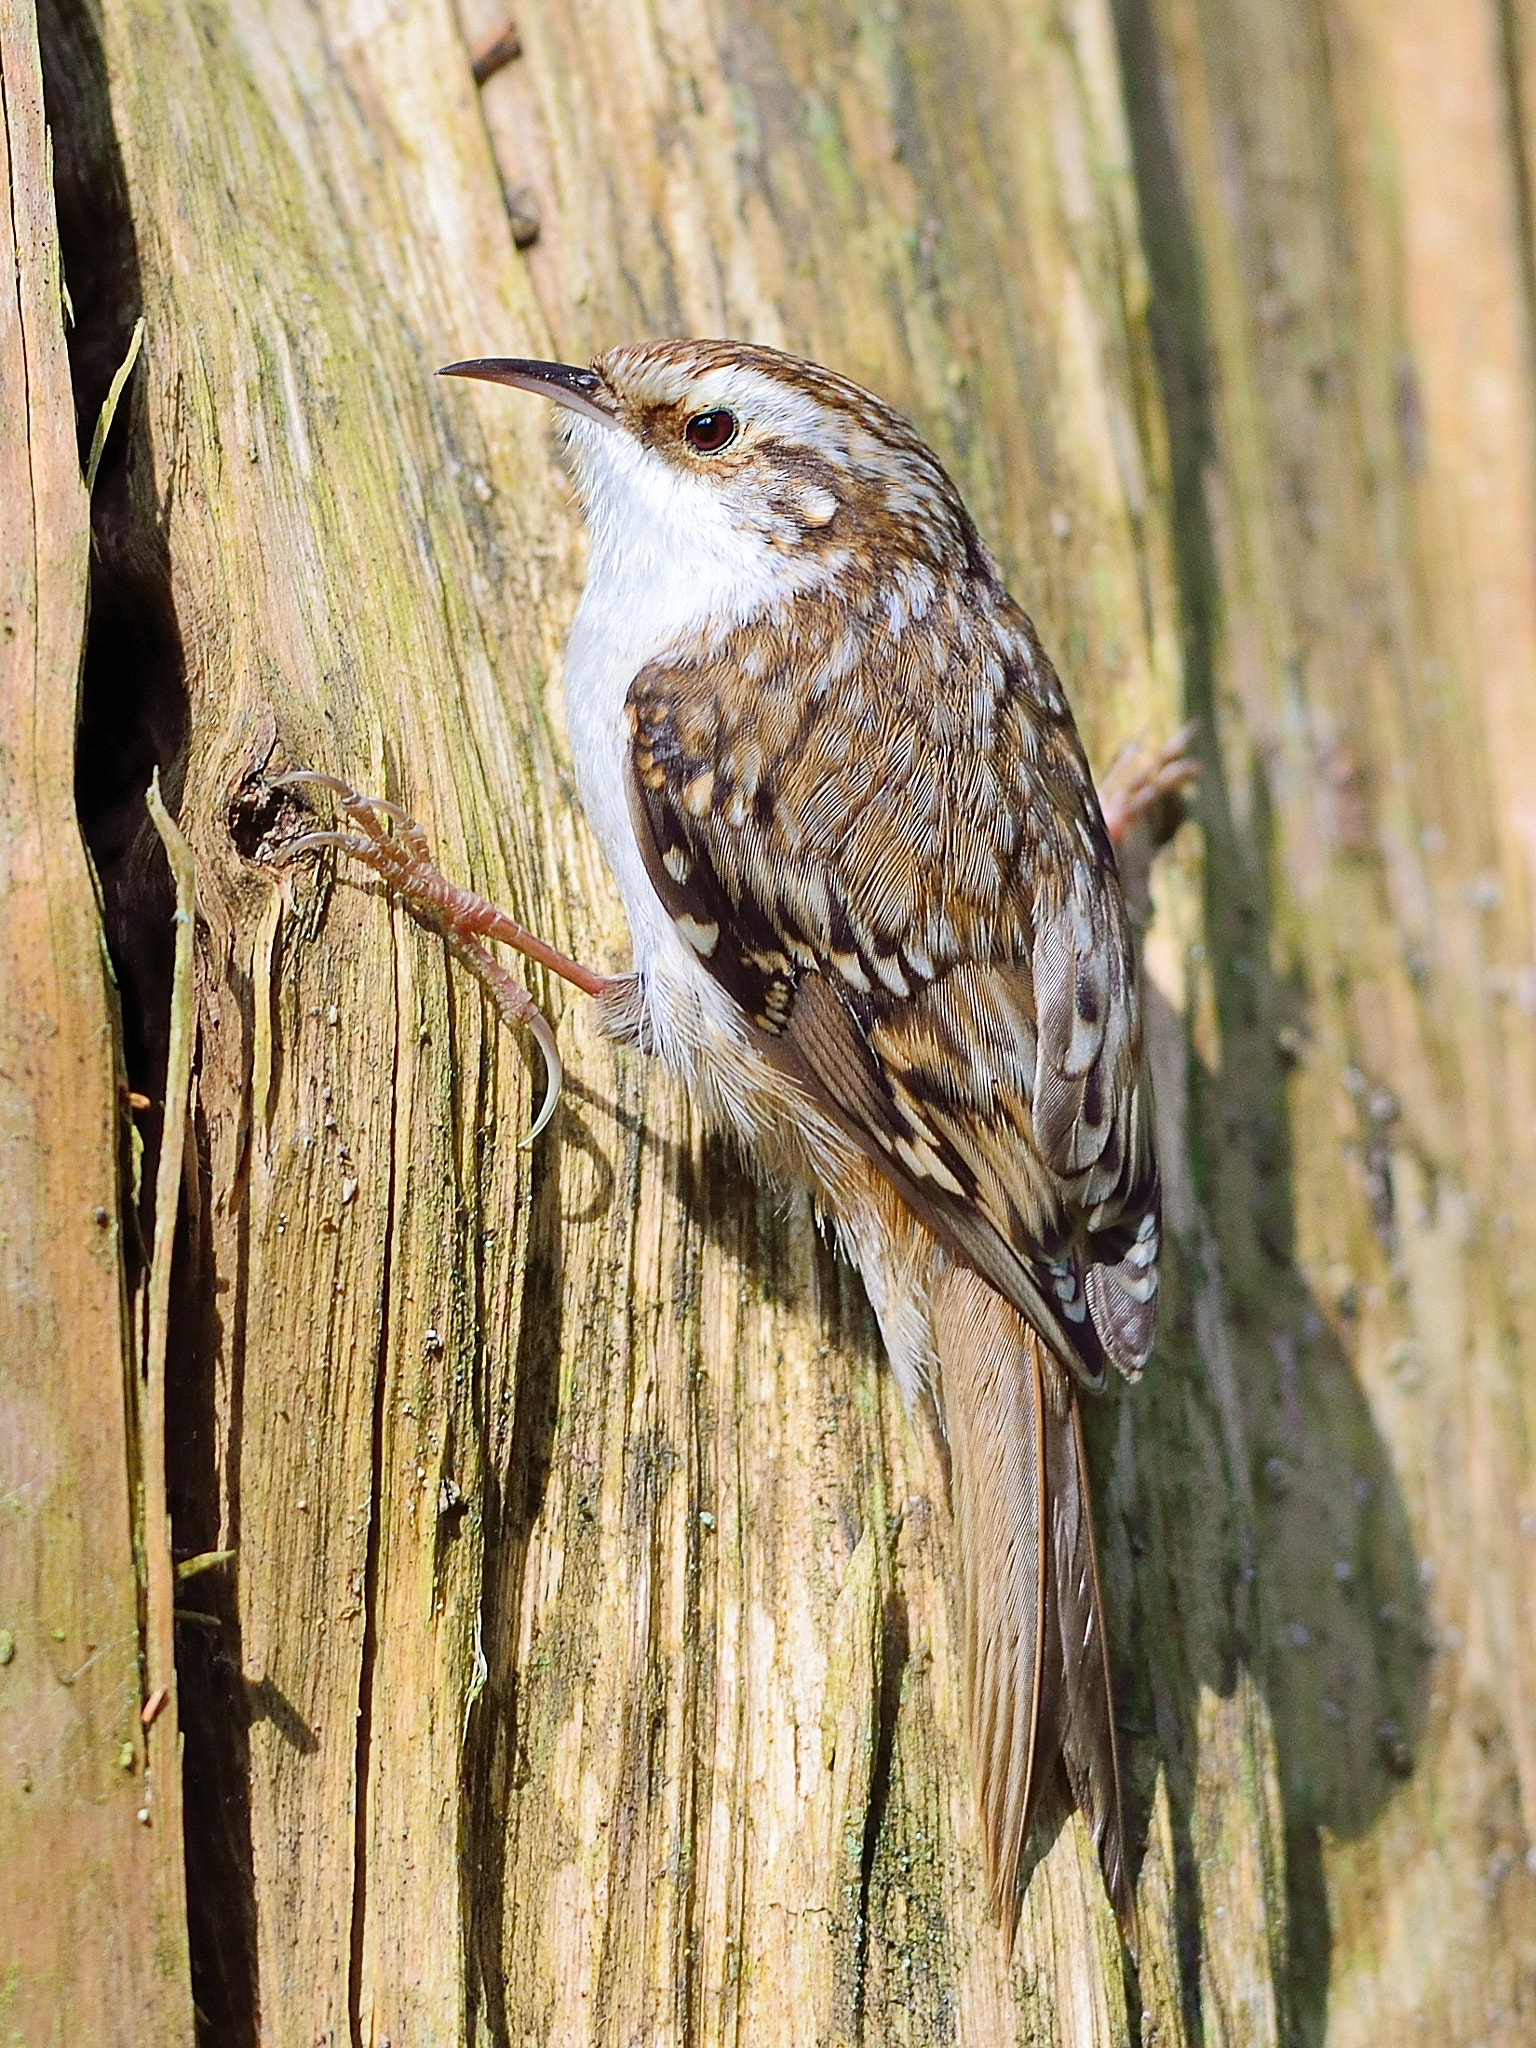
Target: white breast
{"points": [[666, 563]]}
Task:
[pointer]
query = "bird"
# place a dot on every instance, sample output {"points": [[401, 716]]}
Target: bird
{"points": [[879, 931]]}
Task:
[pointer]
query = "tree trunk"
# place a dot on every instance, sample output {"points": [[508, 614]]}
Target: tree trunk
{"points": [[586, 1667], [91, 1896]]}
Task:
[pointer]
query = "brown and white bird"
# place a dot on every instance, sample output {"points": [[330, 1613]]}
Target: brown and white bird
{"points": [[879, 931]]}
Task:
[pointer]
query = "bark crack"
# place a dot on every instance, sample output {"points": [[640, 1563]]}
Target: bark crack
{"points": [[894, 1647], [370, 1647]]}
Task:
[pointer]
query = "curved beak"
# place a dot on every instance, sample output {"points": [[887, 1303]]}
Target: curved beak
{"points": [[577, 390]]}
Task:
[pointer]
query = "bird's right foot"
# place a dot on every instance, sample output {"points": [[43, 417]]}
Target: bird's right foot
{"points": [[388, 840]]}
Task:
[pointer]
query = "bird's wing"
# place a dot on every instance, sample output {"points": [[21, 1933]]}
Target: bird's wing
{"points": [[885, 845]]}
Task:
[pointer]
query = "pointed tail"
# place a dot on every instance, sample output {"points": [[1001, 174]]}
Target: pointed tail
{"points": [[1036, 1662]]}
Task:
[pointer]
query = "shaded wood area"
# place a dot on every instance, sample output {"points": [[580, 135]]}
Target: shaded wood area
{"points": [[586, 1667], [91, 1897]]}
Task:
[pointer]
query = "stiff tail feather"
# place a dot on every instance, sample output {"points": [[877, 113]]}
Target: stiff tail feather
{"points": [[1036, 1661]]}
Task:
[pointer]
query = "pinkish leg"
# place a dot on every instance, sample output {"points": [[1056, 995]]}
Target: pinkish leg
{"points": [[399, 852], [1151, 788]]}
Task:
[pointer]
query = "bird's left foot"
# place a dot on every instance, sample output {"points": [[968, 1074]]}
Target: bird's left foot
{"points": [[1149, 791], [388, 840]]}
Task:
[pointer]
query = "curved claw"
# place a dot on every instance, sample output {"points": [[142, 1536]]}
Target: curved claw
{"points": [[312, 842], [352, 799], [554, 1071], [403, 858], [514, 1006], [297, 778]]}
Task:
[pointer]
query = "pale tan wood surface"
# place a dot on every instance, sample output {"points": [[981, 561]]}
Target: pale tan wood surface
{"points": [[587, 1673], [92, 1924]]}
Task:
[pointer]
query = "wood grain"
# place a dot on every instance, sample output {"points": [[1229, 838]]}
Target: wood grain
{"points": [[94, 1939], [590, 1672], [1344, 258]]}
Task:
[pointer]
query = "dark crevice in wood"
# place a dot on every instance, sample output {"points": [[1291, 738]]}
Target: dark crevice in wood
{"points": [[515, 1472], [370, 1650], [895, 1646], [133, 718], [133, 700]]}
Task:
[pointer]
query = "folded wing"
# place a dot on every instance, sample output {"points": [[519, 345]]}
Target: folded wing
{"points": [[901, 874]]}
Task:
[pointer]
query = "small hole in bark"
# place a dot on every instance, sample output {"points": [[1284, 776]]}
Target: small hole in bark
{"points": [[523, 213], [495, 53], [261, 820]]}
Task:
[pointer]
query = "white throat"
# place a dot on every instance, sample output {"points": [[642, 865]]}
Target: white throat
{"points": [[668, 561], [667, 557]]}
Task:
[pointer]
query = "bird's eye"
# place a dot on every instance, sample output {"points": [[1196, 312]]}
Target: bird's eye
{"points": [[708, 432]]}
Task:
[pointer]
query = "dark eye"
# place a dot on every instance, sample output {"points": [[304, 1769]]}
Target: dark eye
{"points": [[708, 432]]}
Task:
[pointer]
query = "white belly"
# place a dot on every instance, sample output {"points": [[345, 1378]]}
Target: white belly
{"points": [[688, 1012]]}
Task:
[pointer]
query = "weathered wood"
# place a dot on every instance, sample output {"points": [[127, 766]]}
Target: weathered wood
{"points": [[589, 1673], [92, 1927], [1336, 204], [710, 1777]]}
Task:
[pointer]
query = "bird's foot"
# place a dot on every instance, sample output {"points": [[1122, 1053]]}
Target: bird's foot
{"points": [[1149, 791], [388, 840]]}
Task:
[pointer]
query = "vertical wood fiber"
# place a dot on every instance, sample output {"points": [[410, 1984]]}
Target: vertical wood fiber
{"points": [[589, 1671], [92, 1936], [1338, 222]]}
